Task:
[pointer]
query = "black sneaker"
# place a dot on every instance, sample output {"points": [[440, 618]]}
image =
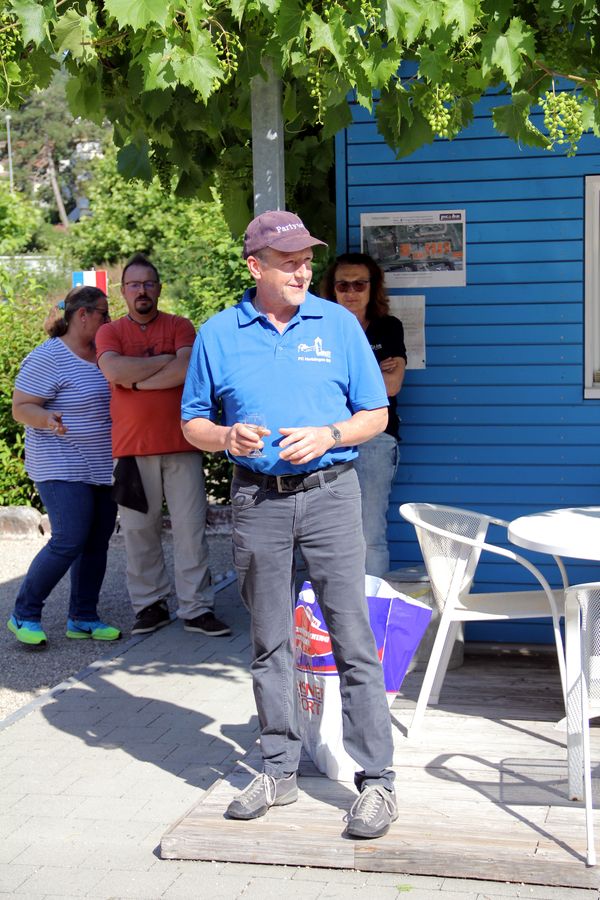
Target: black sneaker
{"points": [[207, 623], [262, 793], [151, 618], [372, 812]]}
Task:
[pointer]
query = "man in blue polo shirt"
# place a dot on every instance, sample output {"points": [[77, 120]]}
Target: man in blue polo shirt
{"points": [[305, 365]]}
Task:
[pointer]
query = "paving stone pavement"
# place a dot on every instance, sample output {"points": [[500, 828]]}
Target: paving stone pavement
{"points": [[94, 772]]}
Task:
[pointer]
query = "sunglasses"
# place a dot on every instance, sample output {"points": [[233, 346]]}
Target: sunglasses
{"points": [[345, 287]]}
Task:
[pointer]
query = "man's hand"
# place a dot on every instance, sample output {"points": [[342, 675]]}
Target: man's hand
{"points": [[301, 445], [243, 439]]}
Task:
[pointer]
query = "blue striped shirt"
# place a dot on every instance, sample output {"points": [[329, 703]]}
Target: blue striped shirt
{"points": [[78, 390]]}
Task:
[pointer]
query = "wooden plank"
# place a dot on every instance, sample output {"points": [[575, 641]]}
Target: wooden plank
{"points": [[482, 794]]}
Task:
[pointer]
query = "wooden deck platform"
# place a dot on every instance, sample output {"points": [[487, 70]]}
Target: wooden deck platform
{"points": [[482, 792]]}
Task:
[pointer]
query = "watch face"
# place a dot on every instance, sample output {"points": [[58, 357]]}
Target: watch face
{"points": [[335, 433]]}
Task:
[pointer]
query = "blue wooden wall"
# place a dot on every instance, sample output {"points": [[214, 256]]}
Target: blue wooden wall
{"points": [[497, 421]]}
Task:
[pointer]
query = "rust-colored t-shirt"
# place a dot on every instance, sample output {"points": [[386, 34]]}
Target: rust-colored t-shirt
{"points": [[146, 422]]}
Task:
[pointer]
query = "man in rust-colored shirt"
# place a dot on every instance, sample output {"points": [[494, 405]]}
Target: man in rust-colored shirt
{"points": [[145, 357]]}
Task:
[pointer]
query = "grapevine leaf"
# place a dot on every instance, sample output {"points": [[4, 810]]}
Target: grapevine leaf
{"points": [[270, 5], [33, 20], [513, 120], [157, 65], [200, 70], [337, 117], [413, 135], [73, 33], [434, 65], [238, 7], [236, 209], [138, 13], [415, 14], [290, 21], [463, 12], [381, 62], [394, 17], [44, 67], [393, 106], [588, 110], [133, 162], [507, 49], [84, 97], [331, 36]]}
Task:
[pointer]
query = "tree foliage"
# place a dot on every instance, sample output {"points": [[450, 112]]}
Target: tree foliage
{"points": [[43, 124], [174, 77], [200, 263], [19, 221]]}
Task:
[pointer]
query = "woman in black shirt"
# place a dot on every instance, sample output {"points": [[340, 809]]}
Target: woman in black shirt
{"points": [[355, 281]]}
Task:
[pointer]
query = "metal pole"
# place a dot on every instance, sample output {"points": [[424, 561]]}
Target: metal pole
{"points": [[267, 142], [10, 168]]}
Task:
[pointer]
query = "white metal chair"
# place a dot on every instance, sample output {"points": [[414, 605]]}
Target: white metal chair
{"points": [[582, 612], [451, 542]]}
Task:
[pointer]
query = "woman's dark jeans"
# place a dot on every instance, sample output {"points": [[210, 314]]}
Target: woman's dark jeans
{"points": [[82, 519]]}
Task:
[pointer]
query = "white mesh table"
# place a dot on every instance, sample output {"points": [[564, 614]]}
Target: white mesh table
{"points": [[574, 533]]}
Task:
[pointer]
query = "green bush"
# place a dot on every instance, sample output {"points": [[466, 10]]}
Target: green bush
{"points": [[23, 307], [19, 221]]}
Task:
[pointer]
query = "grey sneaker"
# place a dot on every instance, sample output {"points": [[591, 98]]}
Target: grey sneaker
{"points": [[264, 791], [372, 812]]}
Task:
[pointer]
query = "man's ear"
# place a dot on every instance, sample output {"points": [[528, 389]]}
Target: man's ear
{"points": [[254, 267]]}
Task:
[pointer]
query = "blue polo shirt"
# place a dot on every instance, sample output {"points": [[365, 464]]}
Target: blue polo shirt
{"points": [[320, 370]]}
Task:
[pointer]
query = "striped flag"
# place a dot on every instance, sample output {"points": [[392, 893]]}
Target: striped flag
{"points": [[94, 278]]}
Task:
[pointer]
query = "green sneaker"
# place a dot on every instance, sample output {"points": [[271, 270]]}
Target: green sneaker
{"points": [[27, 632], [97, 630]]}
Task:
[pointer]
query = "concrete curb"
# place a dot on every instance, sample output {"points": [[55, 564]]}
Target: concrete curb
{"points": [[27, 522]]}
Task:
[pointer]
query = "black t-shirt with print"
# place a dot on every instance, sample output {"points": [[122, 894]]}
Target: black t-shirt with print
{"points": [[386, 337]]}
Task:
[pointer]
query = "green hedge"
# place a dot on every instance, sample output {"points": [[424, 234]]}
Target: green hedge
{"points": [[23, 308]]}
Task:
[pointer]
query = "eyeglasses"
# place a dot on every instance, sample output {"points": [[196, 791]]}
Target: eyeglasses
{"points": [[138, 285], [345, 287], [104, 312]]}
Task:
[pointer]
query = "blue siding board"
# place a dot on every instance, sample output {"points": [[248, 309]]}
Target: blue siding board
{"points": [[545, 212], [517, 334], [473, 170], [486, 356], [535, 435], [509, 315], [475, 455], [416, 414]]}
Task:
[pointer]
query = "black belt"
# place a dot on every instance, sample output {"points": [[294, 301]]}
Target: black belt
{"points": [[291, 484]]}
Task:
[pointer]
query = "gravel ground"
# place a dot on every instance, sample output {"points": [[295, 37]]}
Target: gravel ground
{"points": [[25, 673]]}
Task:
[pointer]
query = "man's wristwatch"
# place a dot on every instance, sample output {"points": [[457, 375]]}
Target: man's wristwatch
{"points": [[336, 434]]}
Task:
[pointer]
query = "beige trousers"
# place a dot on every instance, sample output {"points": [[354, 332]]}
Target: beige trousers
{"points": [[179, 479]]}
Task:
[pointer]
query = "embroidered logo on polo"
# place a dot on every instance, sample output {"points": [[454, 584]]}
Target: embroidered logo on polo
{"points": [[314, 352]]}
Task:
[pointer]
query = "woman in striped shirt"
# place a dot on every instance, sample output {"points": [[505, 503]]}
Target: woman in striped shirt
{"points": [[62, 398]]}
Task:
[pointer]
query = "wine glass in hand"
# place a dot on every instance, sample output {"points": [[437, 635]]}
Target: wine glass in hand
{"points": [[258, 423]]}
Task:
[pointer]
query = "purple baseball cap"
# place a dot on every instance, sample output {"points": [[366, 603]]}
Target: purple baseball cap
{"points": [[280, 230]]}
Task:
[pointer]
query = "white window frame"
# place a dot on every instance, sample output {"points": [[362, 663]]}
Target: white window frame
{"points": [[591, 389]]}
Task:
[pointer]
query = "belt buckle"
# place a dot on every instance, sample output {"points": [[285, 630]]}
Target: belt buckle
{"points": [[281, 487]]}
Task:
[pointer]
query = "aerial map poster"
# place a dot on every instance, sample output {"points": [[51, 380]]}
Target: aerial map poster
{"points": [[417, 249]]}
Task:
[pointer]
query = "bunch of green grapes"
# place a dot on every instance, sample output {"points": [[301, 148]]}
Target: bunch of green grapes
{"points": [[316, 90], [435, 108], [371, 11], [563, 118], [110, 43], [10, 43], [229, 47], [163, 168]]}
